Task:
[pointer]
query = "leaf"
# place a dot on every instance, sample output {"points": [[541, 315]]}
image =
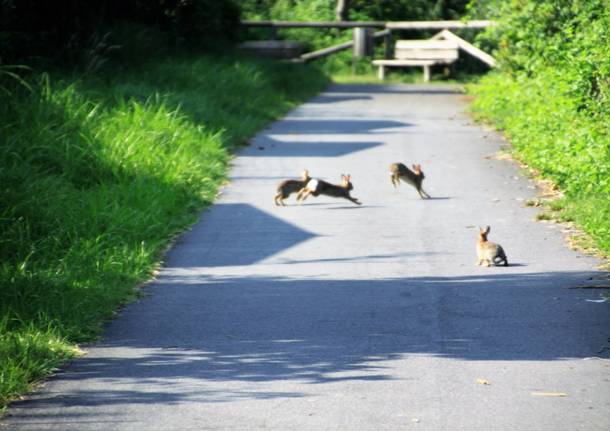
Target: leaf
{"points": [[483, 382]]}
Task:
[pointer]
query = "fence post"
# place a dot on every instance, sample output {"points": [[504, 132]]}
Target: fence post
{"points": [[363, 42], [388, 48], [363, 45]]}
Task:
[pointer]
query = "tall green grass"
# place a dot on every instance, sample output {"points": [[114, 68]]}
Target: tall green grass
{"points": [[549, 132], [551, 96], [98, 173]]}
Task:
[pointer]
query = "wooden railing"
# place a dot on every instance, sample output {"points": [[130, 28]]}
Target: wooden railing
{"points": [[359, 43], [392, 25]]}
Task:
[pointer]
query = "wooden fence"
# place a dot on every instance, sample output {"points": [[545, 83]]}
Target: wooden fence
{"points": [[360, 43]]}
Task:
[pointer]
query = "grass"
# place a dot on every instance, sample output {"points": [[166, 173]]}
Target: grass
{"points": [[556, 137], [412, 75], [99, 173]]}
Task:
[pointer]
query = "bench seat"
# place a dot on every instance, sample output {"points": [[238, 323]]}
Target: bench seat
{"points": [[424, 53]]}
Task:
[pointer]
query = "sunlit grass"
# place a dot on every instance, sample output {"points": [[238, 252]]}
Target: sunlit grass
{"points": [[98, 175], [561, 142]]}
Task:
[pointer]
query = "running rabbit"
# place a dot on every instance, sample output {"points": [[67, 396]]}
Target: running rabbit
{"points": [[286, 188], [319, 187], [398, 172], [488, 252]]}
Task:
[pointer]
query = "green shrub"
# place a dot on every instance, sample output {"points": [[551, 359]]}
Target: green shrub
{"points": [[551, 96], [60, 29]]}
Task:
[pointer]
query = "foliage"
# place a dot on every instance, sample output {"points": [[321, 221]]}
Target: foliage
{"points": [[380, 10], [58, 29], [99, 172], [551, 95], [403, 10]]}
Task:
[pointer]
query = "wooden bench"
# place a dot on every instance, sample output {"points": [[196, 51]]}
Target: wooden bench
{"points": [[423, 53]]}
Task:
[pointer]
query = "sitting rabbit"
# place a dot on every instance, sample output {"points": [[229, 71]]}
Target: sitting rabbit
{"points": [[488, 252]]}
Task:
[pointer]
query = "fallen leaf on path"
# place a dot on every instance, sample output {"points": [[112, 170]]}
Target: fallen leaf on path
{"points": [[549, 394], [483, 382]]}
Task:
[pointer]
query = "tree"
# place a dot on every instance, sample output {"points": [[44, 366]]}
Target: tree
{"points": [[342, 10]]}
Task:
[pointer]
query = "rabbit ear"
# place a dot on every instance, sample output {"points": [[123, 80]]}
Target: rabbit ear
{"points": [[414, 167], [347, 177], [487, 229]]}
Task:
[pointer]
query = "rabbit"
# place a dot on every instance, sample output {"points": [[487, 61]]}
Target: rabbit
{"points": [[489, 253], [398, 172], [319, 187], [287, 187]]}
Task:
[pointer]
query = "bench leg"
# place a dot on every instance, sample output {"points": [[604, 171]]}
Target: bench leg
{"points": [[426, 73], [381, 73]]}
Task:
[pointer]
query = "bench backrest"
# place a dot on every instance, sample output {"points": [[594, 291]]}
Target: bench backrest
{"points": [[426, 50]]}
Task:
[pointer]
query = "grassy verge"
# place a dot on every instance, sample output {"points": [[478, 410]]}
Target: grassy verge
{"points": [[556, 138], [99, 173]]}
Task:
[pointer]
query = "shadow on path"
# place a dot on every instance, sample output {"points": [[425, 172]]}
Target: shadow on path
{"points": [[394, 89], [238, 330], [359, 126], [270, 148]]}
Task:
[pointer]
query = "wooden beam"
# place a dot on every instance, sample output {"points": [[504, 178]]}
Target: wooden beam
{"points": [[438, 25], [336, 48], [466, 46], [326, 51], [313, 24], [397, 25]]}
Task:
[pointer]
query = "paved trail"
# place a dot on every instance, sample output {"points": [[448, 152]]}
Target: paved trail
{"points": [[332, 316]]}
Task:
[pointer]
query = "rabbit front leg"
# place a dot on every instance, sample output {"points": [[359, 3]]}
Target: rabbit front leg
{"points": [[302, 195], [354, 200], [422, 193]]}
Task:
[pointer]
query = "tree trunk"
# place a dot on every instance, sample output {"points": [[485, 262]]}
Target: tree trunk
{"points": [[341, 12]]}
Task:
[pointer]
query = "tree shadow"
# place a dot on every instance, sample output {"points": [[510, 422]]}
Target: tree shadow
{"points": [[268, 147], [244, 240], [295, 125], [333, 98], [428, 89], [224, 333]]}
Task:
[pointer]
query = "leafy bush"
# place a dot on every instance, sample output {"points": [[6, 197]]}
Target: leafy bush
{"points": [[551, 95], [58, 29]]}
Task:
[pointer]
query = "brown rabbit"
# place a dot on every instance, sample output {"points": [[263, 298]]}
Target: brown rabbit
{"points": [[286, 188], [319, 187], [398, 172], [489, 253]]}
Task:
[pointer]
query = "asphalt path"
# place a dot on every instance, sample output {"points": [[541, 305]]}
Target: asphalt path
{"points": [[333, 316]]}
